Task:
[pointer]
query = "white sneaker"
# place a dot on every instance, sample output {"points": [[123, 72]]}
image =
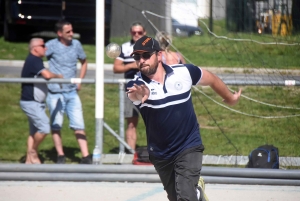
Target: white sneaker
{"points": [[201, 185]]}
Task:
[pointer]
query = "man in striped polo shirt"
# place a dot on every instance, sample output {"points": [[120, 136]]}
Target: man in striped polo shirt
{"points": [[163, 95]]}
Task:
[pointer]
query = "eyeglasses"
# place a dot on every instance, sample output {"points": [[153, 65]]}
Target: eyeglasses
{"points": [[145, 55], [137, 32], [43, 46]]}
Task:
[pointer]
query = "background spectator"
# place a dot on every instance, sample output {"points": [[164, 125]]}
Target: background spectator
{"points": [[33, 98], [126, 64], [168, 57], [63, 54]]}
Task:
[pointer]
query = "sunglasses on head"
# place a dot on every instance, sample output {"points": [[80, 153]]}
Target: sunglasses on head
{"points": [[137, 32], [145, 55]]}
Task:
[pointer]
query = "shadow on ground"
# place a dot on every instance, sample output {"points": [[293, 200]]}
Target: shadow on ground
{"points": [[50, 155], [116, 150]]}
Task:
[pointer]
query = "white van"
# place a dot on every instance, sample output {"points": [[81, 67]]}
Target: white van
{"points": [[185, 12], [185, 18]]}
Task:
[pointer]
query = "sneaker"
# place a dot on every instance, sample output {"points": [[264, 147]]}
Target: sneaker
{"points": [[61, 159], [86, 160], [201, 188]]}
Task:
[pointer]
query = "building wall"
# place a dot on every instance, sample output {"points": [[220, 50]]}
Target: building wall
{"points": [[218, 12], [125, 12], [185, 11]]}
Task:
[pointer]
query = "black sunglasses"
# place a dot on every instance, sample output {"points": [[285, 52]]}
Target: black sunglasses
{"points": [[43, 46], [145, 55]]}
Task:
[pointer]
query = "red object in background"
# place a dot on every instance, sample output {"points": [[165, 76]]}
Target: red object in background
{"points": [[141, 156]]}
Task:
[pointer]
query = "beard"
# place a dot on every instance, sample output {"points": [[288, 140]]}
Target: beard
{"points": [[149, 69]]}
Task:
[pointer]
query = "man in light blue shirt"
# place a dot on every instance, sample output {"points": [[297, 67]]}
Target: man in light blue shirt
{"points": [[63, 54]]}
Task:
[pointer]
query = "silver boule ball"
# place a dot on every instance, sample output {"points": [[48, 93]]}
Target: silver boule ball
{"points": [[113, 50]]}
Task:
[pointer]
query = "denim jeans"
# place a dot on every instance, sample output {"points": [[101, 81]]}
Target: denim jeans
{"points": [[65, 102], [37, 117]]}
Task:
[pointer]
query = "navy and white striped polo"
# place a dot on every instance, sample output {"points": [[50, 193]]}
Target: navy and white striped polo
{"points": [[126, 50], [171, 123]]}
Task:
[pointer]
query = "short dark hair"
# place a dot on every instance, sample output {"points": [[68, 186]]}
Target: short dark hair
{"points": [[137, 24], [60, 24]]}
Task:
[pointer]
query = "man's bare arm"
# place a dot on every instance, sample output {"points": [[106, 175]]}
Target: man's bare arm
{"points": [[210, 79], [48, 74], [120, 67], [83, 68]]}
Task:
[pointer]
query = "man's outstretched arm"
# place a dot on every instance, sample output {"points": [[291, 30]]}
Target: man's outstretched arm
{"points": [[210, 79]]}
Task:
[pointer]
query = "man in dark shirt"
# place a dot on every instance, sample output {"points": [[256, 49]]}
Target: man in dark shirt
{"points": [[163, 95], [33, 98]]}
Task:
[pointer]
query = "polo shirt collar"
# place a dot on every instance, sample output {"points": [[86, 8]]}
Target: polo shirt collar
{"points": [[131, 42], [167, 68]]}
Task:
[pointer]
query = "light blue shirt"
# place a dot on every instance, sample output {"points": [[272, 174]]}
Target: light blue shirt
{"points": [[63, 60]]}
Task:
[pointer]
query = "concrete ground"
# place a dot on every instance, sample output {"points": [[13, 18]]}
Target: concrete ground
{"points": [[116, 191]]}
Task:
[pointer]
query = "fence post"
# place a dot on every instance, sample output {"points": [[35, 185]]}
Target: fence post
{"points": [[121, 118]]}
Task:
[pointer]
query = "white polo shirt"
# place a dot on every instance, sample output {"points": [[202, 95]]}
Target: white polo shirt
{"points": [[171, 123], [126, 50]]}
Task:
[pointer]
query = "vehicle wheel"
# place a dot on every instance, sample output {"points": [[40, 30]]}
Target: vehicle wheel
{"points": [[180, 32]]}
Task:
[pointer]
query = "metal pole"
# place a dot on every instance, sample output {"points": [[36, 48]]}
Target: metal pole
{"points": [[168, 20], [99, 101], [210, 15], [121, 118], [269, 82], [130, 173], [118, 138], [262, 173]]}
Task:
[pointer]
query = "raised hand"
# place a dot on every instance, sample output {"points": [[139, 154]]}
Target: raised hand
{"points": [[138, 92], [235, 98]]}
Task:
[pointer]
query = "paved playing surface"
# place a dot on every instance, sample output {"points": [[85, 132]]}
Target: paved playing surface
{"points": [[112, 191]]}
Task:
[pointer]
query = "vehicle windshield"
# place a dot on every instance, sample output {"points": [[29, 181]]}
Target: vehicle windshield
{"points": [[175, 21]]}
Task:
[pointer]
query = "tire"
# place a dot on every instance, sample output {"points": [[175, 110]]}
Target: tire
{"points": [[181, 33], [13, 33]]}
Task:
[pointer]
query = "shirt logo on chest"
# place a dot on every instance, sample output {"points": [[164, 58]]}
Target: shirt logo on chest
{"points": [[178, 86], [153, 92]]}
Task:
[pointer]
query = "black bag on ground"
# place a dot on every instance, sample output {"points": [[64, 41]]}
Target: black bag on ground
{"points": [[141, 156], [265, 156]]}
